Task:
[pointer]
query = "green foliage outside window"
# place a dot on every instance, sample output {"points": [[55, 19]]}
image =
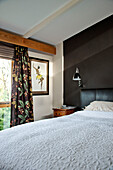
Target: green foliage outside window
{"points": [[5, 92], [5, 117]]}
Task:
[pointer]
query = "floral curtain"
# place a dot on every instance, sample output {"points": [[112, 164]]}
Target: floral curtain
{"points": [[21, 98]]}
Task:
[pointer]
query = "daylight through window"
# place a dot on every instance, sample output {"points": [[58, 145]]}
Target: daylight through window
{"points": [[5, 92]]}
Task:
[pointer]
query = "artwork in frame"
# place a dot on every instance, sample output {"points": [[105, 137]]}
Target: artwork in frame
{"points": [[40, 76]]}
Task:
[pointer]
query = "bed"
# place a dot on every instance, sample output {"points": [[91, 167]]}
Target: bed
{"points": [[82, 140]]}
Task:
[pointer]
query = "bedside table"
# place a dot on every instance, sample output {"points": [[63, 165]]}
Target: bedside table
{"points": [[62, 112]]}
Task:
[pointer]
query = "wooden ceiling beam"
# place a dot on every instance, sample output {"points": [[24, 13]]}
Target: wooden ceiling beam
{"points": [[18, 40]]}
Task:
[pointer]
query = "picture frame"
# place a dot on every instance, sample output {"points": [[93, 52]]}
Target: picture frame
{"points": [[39, 76]]}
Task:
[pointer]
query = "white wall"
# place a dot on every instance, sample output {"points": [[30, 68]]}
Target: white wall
{"points": [[58, 65], [43, 104]]}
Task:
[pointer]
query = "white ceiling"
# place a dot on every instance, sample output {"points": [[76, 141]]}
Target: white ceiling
{"points": [[22, 16]]}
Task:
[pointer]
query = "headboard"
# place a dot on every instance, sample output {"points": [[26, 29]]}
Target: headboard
{"points": [[89, 95]]}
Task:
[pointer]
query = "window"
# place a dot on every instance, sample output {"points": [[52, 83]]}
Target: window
{"points": [[5, 92]]}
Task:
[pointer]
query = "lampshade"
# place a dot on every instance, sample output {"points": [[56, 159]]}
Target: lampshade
{"points": [[76, 76]]}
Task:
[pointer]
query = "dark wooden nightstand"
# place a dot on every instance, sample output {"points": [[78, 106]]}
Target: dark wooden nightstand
{"points": [[62, 112]]}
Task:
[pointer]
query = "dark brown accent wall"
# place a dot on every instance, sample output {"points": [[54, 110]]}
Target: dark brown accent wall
{"points": [[92, 52]]}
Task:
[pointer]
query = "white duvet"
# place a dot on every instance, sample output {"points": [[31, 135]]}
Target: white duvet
{"points": [[83, 140]]}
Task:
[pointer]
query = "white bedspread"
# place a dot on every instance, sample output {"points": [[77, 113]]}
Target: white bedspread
{"points": [[83, 140]]}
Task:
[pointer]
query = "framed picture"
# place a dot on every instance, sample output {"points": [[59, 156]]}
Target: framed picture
{"points": [[40, 76]]}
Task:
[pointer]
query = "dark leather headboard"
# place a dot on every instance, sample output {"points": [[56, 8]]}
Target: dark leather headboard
{"points": [[89, 95]]}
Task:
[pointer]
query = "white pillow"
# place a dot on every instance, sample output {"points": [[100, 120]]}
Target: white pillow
{"points": [[100, 106]]}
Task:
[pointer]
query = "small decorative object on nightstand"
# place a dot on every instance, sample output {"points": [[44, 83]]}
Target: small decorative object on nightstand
{"points": [[64, 111]]}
